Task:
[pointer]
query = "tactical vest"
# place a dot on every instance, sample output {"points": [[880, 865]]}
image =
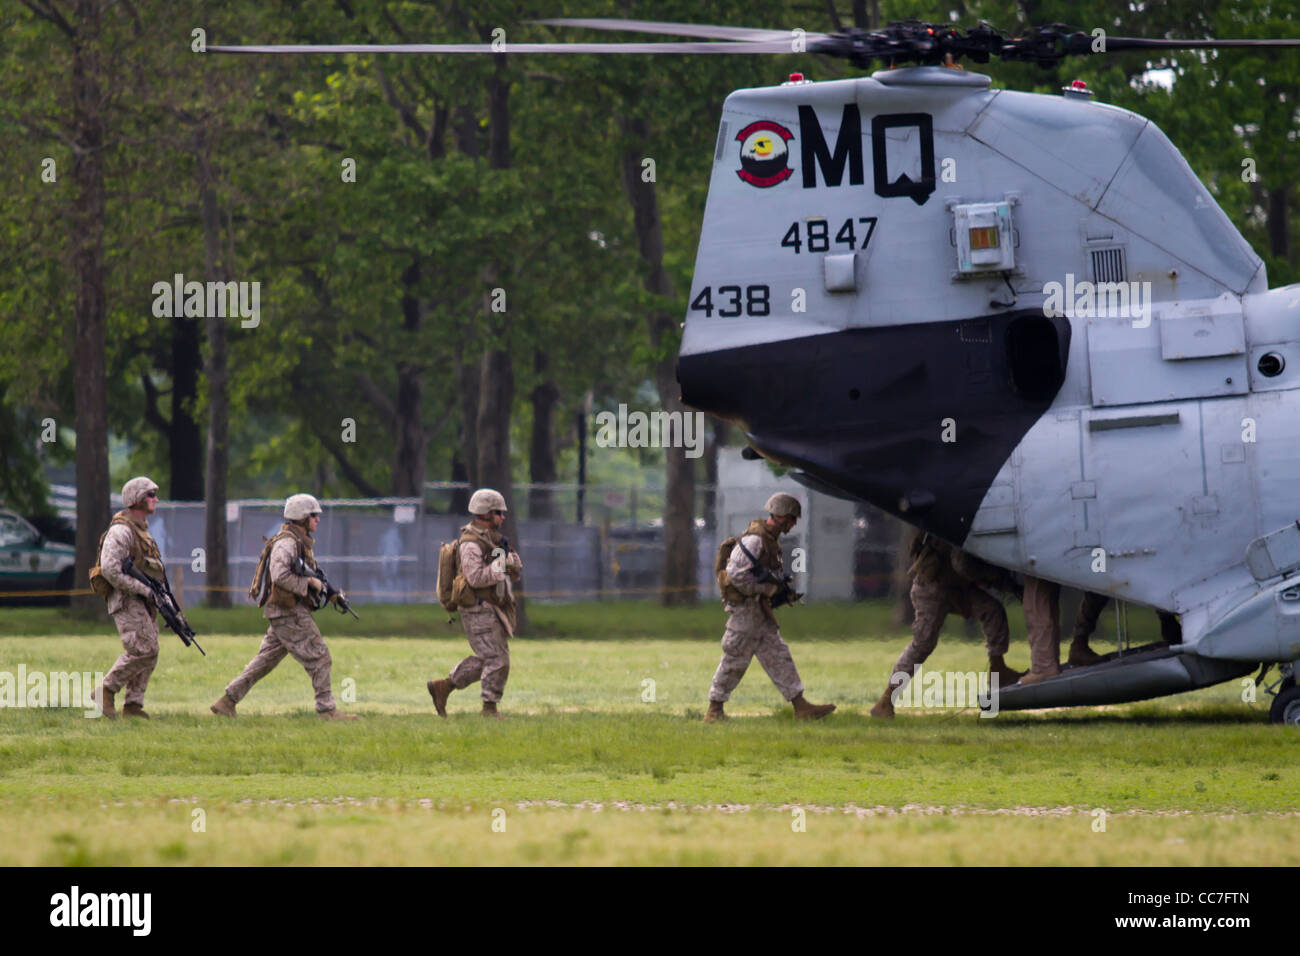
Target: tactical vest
{"points": [[143, 550], [486, 545], [259, 590], [769, 556]]}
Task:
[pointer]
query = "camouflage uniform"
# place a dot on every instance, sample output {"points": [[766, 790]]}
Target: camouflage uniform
{"points": [[944, 582], [489, 624], [751, 627], [292, 630], [1042, 606], [131, 608]]}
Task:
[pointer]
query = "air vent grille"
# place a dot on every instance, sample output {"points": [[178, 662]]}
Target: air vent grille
{"points": [[1108, 265]]}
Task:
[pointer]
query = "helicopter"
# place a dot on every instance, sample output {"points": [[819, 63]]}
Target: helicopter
{"points": [[1016, 321]]}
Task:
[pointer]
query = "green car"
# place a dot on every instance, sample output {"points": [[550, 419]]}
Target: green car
{"points": [[31, 562]]}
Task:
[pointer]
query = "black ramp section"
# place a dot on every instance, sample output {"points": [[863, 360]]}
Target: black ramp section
{"points": [[864, 410], [1137, 676]]}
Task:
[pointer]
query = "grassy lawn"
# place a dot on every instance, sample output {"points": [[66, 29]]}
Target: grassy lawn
{"points": [[588, 770]]}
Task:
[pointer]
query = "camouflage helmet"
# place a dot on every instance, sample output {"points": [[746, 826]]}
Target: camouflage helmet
{"points": [[135, 490], [485, 500], [782, 505], [297, 507]]}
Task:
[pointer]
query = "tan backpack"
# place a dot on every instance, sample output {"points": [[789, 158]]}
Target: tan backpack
{"points": [[454, 591], [729, 591]]}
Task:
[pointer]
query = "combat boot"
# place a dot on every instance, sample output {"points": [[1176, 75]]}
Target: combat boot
{"points": [[134, 710], [1036, 677], [103, 701], [1006, 675], [806, 711], [490, 710], [884, 708], [1081, 655], [224, 707], [716, 713], [440, 690], [335, 715]]}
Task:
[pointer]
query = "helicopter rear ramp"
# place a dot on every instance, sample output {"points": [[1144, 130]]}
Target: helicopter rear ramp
{"points": [[1154, 670]]}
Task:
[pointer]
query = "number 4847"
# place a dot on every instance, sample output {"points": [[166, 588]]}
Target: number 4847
{"points": [[817, 234]]}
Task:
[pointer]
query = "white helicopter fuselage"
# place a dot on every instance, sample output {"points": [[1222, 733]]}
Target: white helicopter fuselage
{"points": [[1017, 321]]}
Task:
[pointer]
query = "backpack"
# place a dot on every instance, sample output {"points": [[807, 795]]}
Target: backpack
{"points": [[454, 591], [729, 591], [98, 583]]}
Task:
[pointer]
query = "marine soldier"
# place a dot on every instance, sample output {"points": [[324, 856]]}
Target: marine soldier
{"points": [[487, 568], [130, 602], [287, 599], [752, 630], [947, 580]]}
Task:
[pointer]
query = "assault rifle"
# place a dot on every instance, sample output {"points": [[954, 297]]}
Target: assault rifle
{"points": [[785, 594], [167, 604], [328, 592]]}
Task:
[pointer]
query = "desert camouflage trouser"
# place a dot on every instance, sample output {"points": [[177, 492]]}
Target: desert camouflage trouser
{"points": [[1090, 608], [753, 632], [295, 634], [490, 661], [138, 627], [933, 603], [1043, 624]]}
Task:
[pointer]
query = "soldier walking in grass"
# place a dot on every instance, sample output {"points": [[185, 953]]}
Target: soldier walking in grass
{"points": [[130, 602], [751, 580], [482, 590], [287, 599]]}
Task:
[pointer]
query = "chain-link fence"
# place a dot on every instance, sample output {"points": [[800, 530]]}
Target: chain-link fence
{"points": [[385, 550]]}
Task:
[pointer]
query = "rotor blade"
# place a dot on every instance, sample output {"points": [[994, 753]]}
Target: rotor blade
{"points": [[1140, 43], [770, 46], [698, 30]]}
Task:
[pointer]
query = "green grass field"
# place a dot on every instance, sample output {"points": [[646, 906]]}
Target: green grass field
{"points": [[587, 771]]}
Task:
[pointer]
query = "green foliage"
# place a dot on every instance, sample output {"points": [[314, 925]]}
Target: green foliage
{"points": [[553, 230]]}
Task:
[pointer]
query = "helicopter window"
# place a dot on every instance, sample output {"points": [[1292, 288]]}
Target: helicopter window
{"points": [[1034, 357]]}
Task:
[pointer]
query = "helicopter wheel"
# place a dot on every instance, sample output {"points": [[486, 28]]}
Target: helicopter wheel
{"points": [[1286, 707]]}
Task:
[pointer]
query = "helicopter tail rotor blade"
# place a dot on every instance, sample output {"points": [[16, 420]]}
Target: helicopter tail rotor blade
{"points": [[767, 46]]}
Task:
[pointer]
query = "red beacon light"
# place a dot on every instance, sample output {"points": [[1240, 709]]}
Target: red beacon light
{"points": [[1077, 89], [795, 79]]}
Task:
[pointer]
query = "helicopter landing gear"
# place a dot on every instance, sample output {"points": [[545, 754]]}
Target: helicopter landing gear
{"points": [[1286, 700]]}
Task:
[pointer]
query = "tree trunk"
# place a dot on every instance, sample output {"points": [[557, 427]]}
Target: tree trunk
{"points": [[185, 438], [1279, 221], [215, 543], [497, 384], [408, 466], [541, 447], [720, 434], [679, 501], [902, 581], [87, 241]]}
